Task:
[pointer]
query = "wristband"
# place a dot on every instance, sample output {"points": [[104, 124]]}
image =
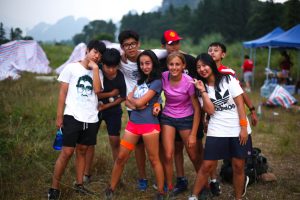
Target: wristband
{"points": [[252, 109], [243, 122], [155, 105], [202, 92]]}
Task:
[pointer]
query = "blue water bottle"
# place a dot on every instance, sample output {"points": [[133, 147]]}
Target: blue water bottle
{"points": [[57, 145]]}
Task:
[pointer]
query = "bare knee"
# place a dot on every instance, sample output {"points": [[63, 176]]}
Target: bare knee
{"points": [[121, 159], [154, 160]]}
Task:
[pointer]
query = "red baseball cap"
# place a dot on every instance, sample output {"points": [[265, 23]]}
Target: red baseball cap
{"points": [[171, 36]]}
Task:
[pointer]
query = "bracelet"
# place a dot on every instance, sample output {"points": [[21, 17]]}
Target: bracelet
{"points": [[252, 109], [243, 122], [202, 92], [155, 105]]}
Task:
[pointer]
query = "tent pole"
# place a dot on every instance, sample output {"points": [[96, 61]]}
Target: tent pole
{"points": [[254, 61], [269, 59]]}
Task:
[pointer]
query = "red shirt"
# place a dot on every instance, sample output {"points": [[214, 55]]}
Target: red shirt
{"points": [[226, 70], [248, 66]]}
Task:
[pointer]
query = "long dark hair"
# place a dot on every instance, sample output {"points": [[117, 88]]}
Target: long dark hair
{"points": [[155, 73], [207, 60]]}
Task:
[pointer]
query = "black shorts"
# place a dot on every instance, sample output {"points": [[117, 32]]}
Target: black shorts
{"points": [[217, 148], [76, 132], [113, 121], [200, 133]]}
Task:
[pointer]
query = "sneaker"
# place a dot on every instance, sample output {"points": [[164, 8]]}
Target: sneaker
{"points": [[87, 179], [165, 187], [203, 194], [159, 196], [245, 187], [53, 194], [181, 185], [215, 188], [193, 197], [79, 188], [142, 184], [109, 194]]}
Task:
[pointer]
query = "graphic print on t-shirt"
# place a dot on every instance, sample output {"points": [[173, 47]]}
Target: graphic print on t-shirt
{"points": [[221, 102], [84, 87], [140, 91]]}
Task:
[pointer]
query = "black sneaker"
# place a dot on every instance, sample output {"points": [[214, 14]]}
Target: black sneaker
{"points": [[181, 186], [79, 188], [245, 186], [109, 194], [215, 188], [159, 196], [204, 194], [53, 194]]}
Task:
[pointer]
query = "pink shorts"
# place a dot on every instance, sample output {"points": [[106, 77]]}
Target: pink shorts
{"points": [[141, 129]]}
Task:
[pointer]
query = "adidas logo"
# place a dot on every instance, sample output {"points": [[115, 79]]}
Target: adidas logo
{"points": [[219, 99]]}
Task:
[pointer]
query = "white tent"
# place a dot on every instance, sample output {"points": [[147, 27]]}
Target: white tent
{"points": [[77, 55], [22, 55]]}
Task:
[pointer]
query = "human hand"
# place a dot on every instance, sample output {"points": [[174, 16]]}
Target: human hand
{"points": [[92, 65], [192, 140], [156, 109], [254, 118], [59, 122], [243, 137]]}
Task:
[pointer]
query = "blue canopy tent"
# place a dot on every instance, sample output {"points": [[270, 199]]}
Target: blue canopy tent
{"points": [[262, 42]]}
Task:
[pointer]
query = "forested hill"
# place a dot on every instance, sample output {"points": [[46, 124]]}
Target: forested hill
{"points": [[235, 20], [192, 4]]}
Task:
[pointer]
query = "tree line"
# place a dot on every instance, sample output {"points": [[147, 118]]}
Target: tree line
{"points": [[235, 20], [14, 34]]}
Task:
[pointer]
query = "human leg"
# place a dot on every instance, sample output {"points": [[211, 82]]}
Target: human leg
{"points": [[60, 165], [115, 145], [127, 145], [152, 146], [89, 157], [168, 136], [238, 176]]}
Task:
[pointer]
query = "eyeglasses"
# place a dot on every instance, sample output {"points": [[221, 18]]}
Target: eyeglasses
{"points": [[81, 88], [127, 46]]}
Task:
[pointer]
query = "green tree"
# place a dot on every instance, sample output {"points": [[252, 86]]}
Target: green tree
{"points": [[2, 34], [291, 14]]}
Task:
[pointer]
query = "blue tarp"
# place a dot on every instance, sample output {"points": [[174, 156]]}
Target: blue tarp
{"points": [[289, 39], [264, 41]]}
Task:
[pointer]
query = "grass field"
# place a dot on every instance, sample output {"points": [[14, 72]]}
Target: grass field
{"points": [[27, 131]]}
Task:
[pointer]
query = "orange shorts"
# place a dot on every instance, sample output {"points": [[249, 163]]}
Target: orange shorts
{"points": [[140, 129]]}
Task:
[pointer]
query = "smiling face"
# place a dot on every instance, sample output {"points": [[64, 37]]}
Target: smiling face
{"points": [[176, 66], [203, 69], [130, 46], [146, 64]]}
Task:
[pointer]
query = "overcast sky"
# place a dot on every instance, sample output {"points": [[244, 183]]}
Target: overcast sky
{"points": [[28, 13]]}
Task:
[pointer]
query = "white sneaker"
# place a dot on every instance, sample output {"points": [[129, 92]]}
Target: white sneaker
{"points": [[193, 197]]}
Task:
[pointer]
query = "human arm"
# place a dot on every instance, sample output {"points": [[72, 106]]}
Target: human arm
{"points": [[251, 108], [208, 106], [117, 101], [113, 93], [61, 103], [242, 116], [196, 120], [96, 77], [141, 102]]}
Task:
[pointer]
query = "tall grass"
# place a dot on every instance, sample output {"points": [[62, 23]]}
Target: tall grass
{"points": [[27, 131]]}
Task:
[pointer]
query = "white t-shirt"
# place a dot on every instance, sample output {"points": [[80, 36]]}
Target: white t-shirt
{"points": [[225, 121], [81, 101]]}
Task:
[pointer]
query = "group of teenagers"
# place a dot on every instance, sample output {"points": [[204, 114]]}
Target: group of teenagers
{"points": [[199, 95]]}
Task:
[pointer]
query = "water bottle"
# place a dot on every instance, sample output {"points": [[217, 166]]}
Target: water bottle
{"points": [[259, 111], [57, 145]]}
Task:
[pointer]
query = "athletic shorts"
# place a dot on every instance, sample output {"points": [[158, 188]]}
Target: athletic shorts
{"points": [[247, 76], [185, 123], [200, 133], [113, 121], [217, 148], [140, 129], [76, 132]]}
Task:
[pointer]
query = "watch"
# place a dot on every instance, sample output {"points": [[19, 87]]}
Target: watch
{"points": [[252, 109]]}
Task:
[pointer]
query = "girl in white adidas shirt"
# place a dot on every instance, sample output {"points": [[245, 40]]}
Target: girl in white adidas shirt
{"points": [[228, 128]]}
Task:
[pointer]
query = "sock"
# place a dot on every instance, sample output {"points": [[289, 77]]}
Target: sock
{"points": [[213, 180]]}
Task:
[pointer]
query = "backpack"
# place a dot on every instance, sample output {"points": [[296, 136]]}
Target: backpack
{"points": [[255, 165]]}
